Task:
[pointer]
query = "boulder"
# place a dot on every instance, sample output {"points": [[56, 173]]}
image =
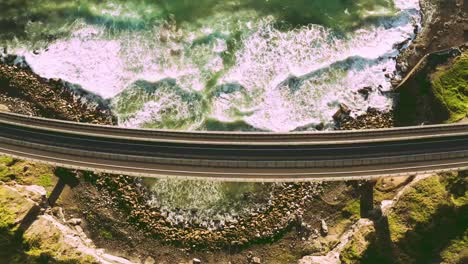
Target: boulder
{"points": [[342, 113], [74, 221], [14, 206], [4, 108], [324, 228], [365, 92], [49, 235], [149, 260]]}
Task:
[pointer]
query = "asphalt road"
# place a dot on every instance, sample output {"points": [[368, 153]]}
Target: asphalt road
{"points": [[341, 155]]}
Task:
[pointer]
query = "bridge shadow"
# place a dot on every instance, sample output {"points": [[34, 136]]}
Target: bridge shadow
{"points": [[66, 177], [421, 244]]}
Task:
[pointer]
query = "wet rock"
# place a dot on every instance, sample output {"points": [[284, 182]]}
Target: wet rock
{"points": [[342, 113], [320, 127], [401, 45], [365, 92]]}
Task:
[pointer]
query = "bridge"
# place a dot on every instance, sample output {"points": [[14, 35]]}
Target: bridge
{"points": [[237, 156]]}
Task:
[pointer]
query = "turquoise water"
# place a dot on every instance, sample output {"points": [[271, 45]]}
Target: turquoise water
{"points": [[244, 65], [343, 14]]}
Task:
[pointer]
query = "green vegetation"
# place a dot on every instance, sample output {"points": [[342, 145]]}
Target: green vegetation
{"points": [[105, 234], [7, 215], [429, 223], [457, 252], [26, 173], [417, 206], [45, 180], [350, 255], [450, 87], [352, 210], [40, 244]]}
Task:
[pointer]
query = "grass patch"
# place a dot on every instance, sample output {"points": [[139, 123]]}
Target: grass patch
{"points": [[352, 210], [105, 234], [27, 173], [45, 180], [350, 255], [450, 87], [6, 161]]}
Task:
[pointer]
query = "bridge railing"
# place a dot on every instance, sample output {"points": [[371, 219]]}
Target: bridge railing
{"points": [[236, 138]]}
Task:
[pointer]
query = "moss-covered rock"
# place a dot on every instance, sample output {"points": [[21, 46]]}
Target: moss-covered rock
{"points": [[13, 207], [353, 251], [417, 206], [450, 87], [27, 173], [47, 237], [44, 241], [429, 223]]}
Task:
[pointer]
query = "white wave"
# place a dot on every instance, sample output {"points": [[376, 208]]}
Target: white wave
{"points": [[331, 67], [105, 65], [346, 64]]}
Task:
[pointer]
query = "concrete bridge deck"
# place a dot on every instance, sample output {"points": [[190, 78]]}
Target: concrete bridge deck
{"points": [[231, 156]]}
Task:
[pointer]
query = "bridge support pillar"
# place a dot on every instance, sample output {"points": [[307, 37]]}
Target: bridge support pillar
{"points": [[367, 198], [58, 189]]}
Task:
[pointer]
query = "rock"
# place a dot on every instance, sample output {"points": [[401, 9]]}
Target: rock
{"points": [[249, 256], [79, 230], [4, 108], [401, 45], [320, 127], [18, 206], [256, 260], [74, 221], [149, 260], [64, 243], [365, 92], [196, 261], [342, 113], [324, 228], [58, 213]]}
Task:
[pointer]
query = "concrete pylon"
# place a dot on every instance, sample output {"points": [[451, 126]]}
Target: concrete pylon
{"points": [[367, 198]]}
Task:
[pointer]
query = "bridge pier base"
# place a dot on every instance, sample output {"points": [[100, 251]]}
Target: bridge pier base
{"points": [[367, 198]]}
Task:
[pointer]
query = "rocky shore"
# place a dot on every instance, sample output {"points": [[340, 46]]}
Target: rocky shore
{"points": [[284, 211], [24, 92]]}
